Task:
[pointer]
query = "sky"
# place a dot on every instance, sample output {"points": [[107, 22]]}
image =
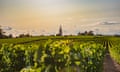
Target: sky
{"points": [[45, 16]]}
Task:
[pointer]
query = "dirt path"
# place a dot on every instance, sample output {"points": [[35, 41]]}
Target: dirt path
{"points": [[110, 65]]}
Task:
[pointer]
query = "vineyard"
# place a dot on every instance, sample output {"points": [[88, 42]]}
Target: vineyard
{"points": [[60, 54]]}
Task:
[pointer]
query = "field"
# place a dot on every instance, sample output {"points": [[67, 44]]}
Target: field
{"points": [[57, 53]]}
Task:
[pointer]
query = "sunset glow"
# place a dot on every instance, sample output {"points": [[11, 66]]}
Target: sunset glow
{"points": [[45, 16]]}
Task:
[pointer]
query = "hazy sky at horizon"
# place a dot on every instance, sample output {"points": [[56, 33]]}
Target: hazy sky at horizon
{"points": [[45, 16]]}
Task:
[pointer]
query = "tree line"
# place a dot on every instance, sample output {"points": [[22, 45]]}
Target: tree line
{"points": [[2, 35], [90, 33]]}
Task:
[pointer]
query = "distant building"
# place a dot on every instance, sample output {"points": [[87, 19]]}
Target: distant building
{"points": [[60, 31]]}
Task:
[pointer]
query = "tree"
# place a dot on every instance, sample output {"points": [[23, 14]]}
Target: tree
{"points": [[10, 36], [2, 33], [85, 32], [78, 33], [90, 33], [21, 35]]}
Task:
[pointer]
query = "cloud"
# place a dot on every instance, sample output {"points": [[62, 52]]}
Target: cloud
{"points": [[109, 23], [6, 28]]}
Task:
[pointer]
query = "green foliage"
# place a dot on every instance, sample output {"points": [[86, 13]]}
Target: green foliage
{"points": [[115, 50], [88, 56], [15, 57], [52, 56], [11, 58]]}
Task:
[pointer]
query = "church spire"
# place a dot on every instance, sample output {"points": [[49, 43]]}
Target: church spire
{"points": [[60, 31]]}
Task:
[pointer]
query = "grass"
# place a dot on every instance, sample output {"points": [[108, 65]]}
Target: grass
{"points": [[27, 39], [37, 39]]}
